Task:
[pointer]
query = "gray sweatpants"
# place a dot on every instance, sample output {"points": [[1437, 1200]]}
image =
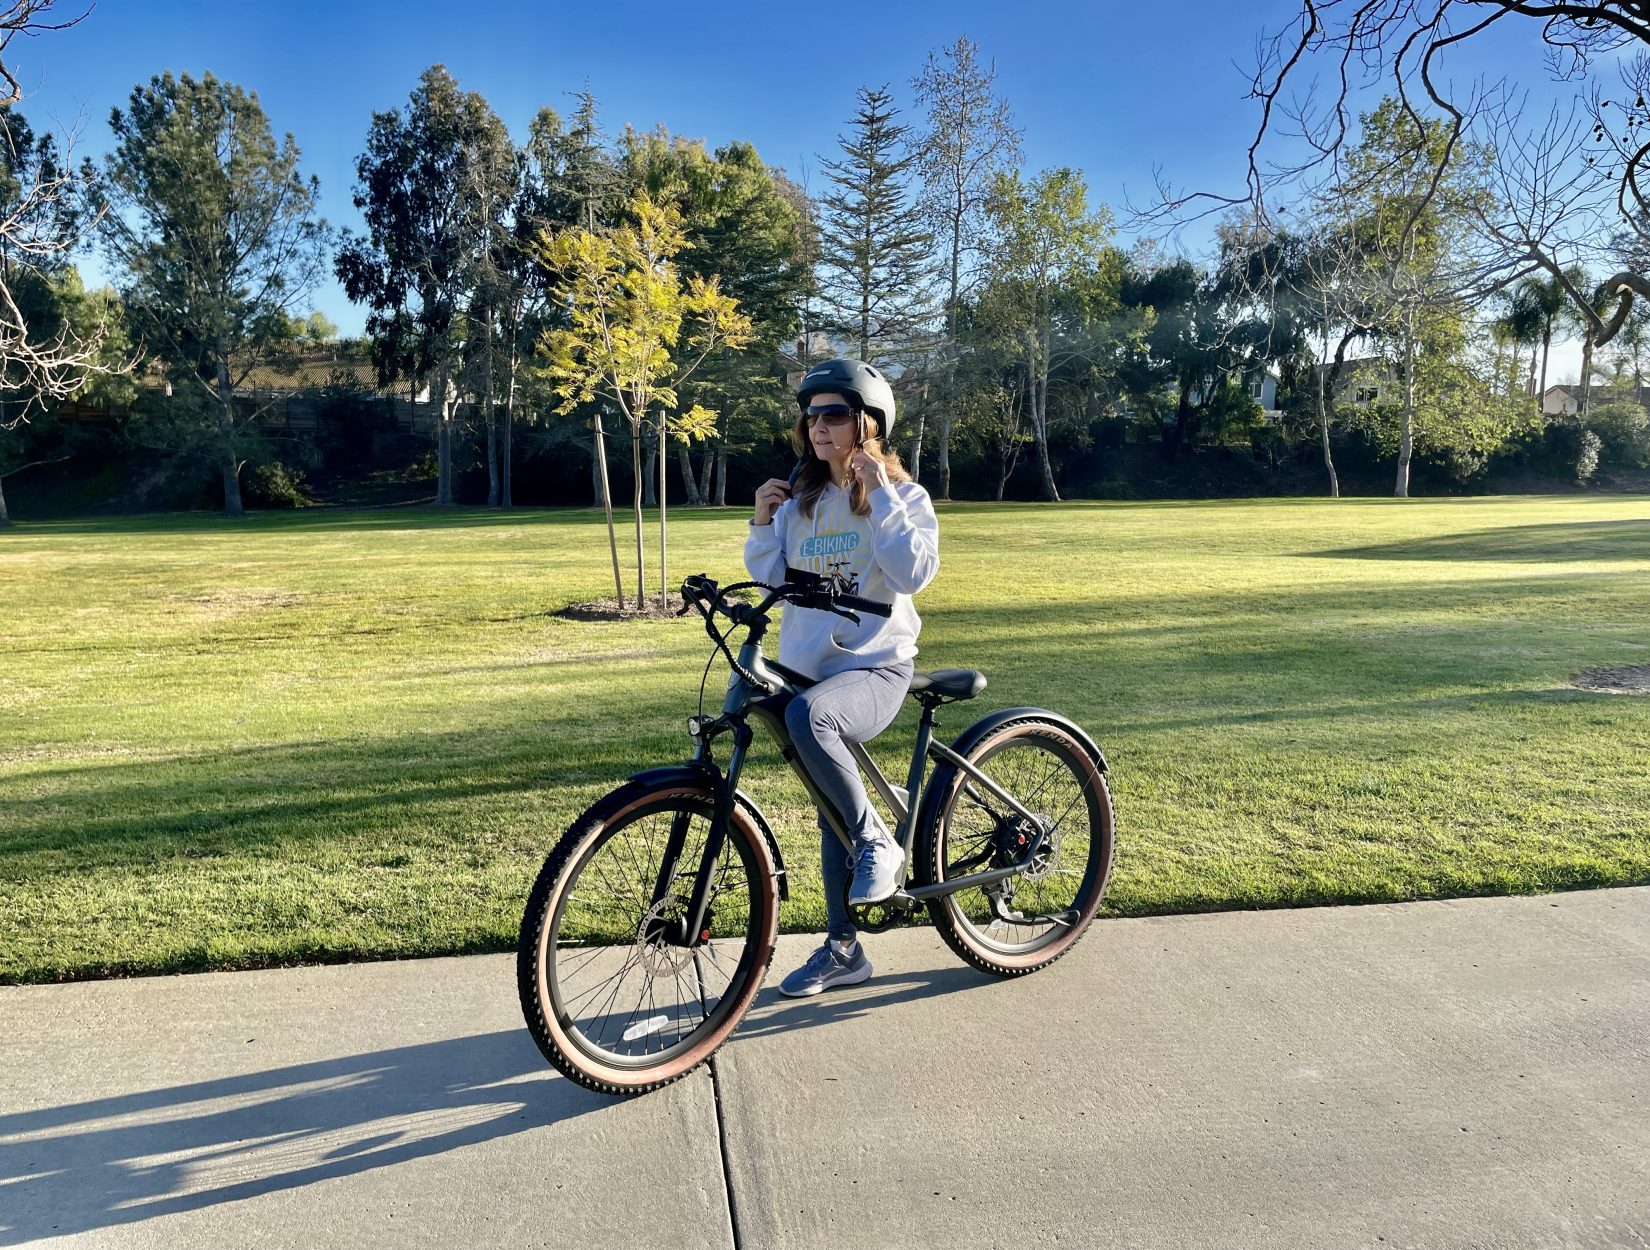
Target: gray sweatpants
{"points": [[851, 707]]}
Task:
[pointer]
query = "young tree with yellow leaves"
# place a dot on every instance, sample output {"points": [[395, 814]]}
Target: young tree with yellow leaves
{"points": [[636, 332]]}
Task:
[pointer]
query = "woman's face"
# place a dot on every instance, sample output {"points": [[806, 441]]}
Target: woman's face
{"points": [[833, 443]]}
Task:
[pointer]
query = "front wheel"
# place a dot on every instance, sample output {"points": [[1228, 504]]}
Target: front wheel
{"points": [[1028, 921], [610, 997]]}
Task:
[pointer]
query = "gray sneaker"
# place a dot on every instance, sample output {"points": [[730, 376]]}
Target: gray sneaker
{"points": [[877, 864], [825, 969]]}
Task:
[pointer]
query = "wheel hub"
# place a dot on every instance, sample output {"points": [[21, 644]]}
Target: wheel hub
{"points": [[657, 953]]}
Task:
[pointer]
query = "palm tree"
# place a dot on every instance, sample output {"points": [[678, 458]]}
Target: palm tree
{"points": [[1521, 326], [1543, 298]]}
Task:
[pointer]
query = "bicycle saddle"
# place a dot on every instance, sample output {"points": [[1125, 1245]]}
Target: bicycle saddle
{"points": [[949, 683]]}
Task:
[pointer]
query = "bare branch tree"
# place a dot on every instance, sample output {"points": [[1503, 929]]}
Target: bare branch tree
{"points": [[44, 218], [1552, 178], [26, 17]]}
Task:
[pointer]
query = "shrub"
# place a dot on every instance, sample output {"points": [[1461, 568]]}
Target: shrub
{"points": [[1623, 432], [1587, 457], [276, 485]]}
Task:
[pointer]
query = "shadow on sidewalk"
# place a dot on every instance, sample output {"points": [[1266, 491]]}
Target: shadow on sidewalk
{"points": [[114, 1161], [774, 1013]]}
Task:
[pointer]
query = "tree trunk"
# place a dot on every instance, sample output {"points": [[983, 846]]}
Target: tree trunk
{"points": [[1529, 387], [943, 453], [636, 502], [513, 368], [1406, 441], [232, 506], [508, 451], [605, 498], [443, 442], [1323, 434], [916, 442], [649, 495], [5, 517], [707, 475], [493, 484], [664, 549], [1182, 419], [1586, 372], [1546, 347], [690, 484], [721, 493], [1039, 425], [1329, 374]]}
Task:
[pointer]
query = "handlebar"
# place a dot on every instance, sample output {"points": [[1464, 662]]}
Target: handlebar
{"points": [[807, 590], [802, 588], [866, 605]]}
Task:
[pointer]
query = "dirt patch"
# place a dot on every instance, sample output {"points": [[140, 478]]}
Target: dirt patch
{"points": [[1631, 679], [609, 610]]}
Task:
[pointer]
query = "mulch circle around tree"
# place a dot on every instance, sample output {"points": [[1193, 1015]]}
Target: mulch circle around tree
{"points": [[609, 610], [1631, 679]]}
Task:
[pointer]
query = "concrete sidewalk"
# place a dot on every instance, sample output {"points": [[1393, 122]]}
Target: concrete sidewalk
{"points": [[1470, 1073]]}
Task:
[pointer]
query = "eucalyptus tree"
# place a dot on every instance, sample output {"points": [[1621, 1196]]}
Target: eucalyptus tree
{"points": [[570, 180], [1053, 276], [740, 227], [431, 183], [967, 139], [1409, 197], [216, 240]]}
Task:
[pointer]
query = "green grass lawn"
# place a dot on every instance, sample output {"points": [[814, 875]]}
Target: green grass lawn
{"points": [[334, 735]]}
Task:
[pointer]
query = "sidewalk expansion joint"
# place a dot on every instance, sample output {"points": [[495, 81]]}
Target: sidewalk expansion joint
{"points": [[722, 1144]]}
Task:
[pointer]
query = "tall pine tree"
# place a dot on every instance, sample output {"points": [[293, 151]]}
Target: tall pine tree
{"points": [[876, 269]]}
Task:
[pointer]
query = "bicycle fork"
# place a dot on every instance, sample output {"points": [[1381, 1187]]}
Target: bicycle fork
{"points": [[692, 927]]}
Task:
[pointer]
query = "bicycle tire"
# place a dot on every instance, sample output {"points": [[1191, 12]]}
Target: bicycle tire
{"points": [[957, 838], [567, 940]]}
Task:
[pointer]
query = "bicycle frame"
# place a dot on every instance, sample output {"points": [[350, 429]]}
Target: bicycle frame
{"points": [[767, 699]]}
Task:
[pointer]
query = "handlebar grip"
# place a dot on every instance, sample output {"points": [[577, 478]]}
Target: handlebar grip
{"points": [[864, 605]]}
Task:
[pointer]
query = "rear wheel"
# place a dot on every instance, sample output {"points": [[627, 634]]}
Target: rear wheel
{"points": [[1027, 921], [609, 994]]}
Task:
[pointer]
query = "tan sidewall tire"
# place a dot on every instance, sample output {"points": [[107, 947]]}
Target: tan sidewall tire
{"points": [[953, 928], [563, 1050]]}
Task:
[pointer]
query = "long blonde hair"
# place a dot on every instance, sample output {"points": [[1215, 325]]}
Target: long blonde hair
{"points": [[816, 474]]}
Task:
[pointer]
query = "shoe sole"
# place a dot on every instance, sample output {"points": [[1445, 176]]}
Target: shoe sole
{"points": [[850, 978]]}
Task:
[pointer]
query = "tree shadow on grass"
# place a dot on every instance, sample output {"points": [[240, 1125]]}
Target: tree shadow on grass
{"points": [[348, 520], [123, 1160], [254, 799], [1533, 544]]}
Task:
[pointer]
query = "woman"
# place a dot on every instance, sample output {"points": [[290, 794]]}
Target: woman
{"points": [[854, 516]]}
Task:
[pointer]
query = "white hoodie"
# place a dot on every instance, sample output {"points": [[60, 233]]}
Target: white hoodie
{"points": [[886, 557]]}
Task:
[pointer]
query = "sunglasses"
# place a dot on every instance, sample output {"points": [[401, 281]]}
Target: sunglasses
{"points": [[831, 414]]}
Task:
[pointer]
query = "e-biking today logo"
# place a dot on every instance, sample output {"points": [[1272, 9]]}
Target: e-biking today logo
{"points": [[829, 545]]}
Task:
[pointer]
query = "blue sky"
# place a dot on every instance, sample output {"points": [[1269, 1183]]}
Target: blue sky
{"points": [[1112, 88]]}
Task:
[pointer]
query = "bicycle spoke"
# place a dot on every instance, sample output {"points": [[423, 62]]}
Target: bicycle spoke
{"points": [[617, 983]]}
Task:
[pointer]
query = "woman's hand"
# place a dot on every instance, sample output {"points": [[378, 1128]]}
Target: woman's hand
{"points": [[870, 471], [769, 496]]}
